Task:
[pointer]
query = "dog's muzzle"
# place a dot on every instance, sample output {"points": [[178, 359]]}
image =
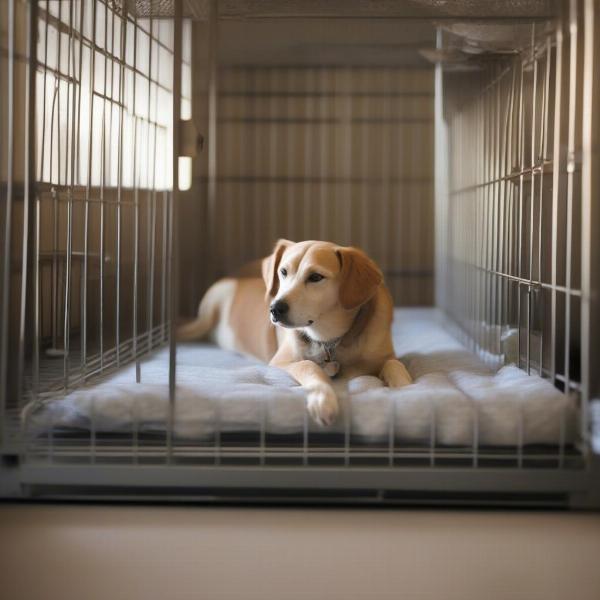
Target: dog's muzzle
{"points": [[279, 310]]}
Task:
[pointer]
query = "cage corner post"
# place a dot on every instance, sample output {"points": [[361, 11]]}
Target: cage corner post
{"points": [[173, 224], [590, 252]]}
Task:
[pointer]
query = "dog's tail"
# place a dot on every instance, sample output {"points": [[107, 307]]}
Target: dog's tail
{"points": [[208, 314]]}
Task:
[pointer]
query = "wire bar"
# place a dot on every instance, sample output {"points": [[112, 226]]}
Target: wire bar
{"points": [[5, 299]]}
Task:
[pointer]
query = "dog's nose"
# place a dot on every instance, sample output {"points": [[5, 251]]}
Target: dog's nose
{"points": [[279, 309]]}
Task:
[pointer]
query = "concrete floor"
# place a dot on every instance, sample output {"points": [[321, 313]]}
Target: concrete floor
{"points": [[112, 552]]}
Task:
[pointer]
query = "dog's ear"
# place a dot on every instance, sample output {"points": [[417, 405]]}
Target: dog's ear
{"points": [[360, 277], [270, 264]]}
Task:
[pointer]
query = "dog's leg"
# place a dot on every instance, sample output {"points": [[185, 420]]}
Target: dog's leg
{"points": [[322, 402], [394, 374]]}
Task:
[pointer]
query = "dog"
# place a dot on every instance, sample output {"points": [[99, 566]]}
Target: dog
{"points": [[319, 311]]}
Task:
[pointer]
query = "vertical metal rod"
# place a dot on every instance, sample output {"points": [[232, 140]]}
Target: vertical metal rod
{"points": [[36, 301], [136, 421], [164, 318], [93, 440], [51, 440], [37, 275], [519, 240], [391, 431], [86, 217], [122, 42], [102, 186], [520, 437], [151, 246], [490, 221], [503, 210], [151, 198], [475, 255], [502, 109], [482, 206], [213, 33], [509, 199], [154, 204], [489, 207], [557, 162], [43, 124], [543, 157], [77, 176], [475, 440], [4, 351], [305, 436], [561, 438], [347, 431], [29, 185], [432, 433], [174, 221], [589, 154], [493, 332], [534, 109], [136, 201], [443, 208], [483, 203], [57, 179], [69, 121], [263, 426], [67, 305], [493, 326], [110, 158], [571, 167], [217, 437], [69, 170]]}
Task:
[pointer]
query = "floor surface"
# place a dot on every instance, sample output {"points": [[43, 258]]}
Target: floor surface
{"points": [[111, 552]]}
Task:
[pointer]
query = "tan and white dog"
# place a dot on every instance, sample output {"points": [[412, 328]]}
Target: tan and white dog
{"points": [[332, 313]]}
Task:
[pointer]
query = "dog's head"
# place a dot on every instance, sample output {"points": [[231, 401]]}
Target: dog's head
{"points": [[308, 282]]}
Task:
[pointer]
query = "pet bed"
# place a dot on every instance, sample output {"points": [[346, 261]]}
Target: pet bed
{"points": [[454, 395]]}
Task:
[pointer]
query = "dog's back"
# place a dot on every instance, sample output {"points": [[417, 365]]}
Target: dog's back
{"points": [[234, 313]]}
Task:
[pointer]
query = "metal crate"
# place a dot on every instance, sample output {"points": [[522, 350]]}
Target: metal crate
{"points": [[90, 138]]}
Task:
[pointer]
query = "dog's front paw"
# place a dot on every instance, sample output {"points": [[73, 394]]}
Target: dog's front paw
{"points": [[322, 404]]}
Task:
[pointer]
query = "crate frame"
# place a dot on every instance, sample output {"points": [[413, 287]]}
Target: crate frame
{"points": [[563, 477]]}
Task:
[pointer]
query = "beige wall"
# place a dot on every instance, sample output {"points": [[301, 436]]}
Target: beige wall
{"points": [[344, 154]]}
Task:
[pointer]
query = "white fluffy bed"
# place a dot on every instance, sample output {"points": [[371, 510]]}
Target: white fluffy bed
{"points": [[216, 388]]}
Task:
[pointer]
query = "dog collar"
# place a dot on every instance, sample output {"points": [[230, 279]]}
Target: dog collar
{"points": [[329, 347], [328, 362]]}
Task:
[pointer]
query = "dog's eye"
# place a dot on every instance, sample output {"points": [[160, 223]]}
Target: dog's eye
{"points": [[314, 277], [283, 272]]}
